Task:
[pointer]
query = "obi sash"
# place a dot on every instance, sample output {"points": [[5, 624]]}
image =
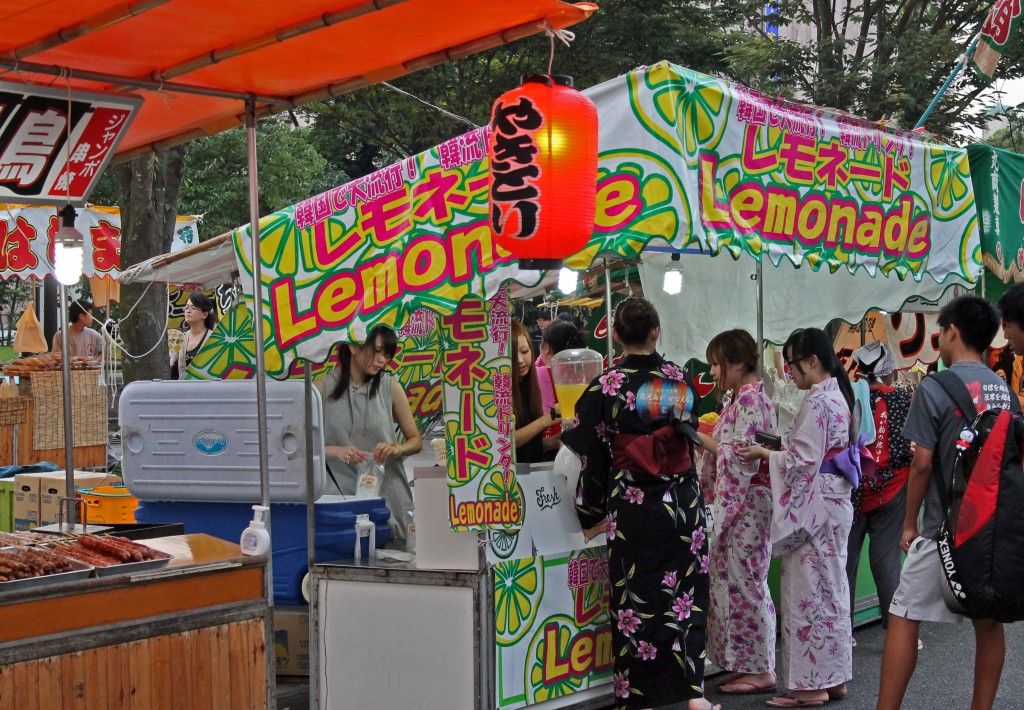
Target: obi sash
{"points": [[663, 453], [851, 463]]}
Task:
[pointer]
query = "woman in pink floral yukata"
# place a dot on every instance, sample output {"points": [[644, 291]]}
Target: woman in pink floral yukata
{"points": [[811, 519], [741, 616], [639, 483]]}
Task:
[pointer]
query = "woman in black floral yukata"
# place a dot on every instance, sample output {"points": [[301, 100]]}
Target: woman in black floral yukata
{"points": [[638, 484]]}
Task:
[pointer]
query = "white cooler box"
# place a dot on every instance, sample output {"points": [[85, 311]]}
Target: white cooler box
{"points": [[196, 440]]}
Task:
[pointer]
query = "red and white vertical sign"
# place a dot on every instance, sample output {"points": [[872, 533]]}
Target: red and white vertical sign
{"points": [[47, 156]]}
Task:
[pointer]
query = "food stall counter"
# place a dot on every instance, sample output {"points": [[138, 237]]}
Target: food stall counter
{"points": [[189, 634]]}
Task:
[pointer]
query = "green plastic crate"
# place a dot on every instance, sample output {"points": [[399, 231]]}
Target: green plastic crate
{"points": [[6, 504]]}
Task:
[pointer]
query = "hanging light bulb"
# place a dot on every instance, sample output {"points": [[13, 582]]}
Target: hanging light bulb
{"points": [[67, 252], [673, 277], [567, 281]]}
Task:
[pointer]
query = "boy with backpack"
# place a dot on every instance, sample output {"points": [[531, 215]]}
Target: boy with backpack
{"points": [[968, 324]]}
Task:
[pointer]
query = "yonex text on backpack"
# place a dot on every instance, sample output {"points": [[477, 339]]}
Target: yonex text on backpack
{"points": [[981, 543]]}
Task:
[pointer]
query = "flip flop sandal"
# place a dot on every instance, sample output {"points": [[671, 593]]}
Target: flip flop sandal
{"points": [[749, 689], [791, 701]]}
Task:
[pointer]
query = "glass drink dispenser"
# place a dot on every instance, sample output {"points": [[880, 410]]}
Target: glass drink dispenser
{"points": [[572, 371]]}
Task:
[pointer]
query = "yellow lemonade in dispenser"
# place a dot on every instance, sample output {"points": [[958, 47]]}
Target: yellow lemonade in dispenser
{"points": [[567, 396], [572, 371]]}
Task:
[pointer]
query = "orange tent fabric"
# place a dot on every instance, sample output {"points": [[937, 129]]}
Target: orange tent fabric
{"points": [[283, 53]]}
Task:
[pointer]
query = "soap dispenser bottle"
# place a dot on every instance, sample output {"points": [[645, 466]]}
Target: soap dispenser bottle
{"points": [[255, 538]]}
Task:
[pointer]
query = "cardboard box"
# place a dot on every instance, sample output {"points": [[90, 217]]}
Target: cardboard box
{"points": [[26, 500], [291, 639], [53, 487], [6, 504]]}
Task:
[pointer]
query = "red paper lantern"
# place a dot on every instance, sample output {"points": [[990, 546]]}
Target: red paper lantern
{"points": [[543, 160]]}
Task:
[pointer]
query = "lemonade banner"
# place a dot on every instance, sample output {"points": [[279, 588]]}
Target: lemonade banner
{"points": [[479, 429], [230, 352], [684, 158], [552, 632], [719, 166], [27, 240]]}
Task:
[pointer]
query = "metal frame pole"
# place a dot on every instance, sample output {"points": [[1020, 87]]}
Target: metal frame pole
{"points": [[261, 388], [608, 310], [69, 421], [759, 283], [314, 651]]}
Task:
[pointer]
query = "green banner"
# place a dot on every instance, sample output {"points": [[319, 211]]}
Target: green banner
{"points": [[999, 192]]}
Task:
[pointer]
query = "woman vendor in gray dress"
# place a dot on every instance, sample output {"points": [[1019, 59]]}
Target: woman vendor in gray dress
{"points": [[362, 403]]}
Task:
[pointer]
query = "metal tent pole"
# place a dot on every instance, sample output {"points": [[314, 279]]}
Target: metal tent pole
{"points": [[69, 422], [608, 310], [261, 389], [314, 651], [759, 278]]}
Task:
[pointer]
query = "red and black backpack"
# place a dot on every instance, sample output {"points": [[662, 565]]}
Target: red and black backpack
{"points": [[981, 543]]}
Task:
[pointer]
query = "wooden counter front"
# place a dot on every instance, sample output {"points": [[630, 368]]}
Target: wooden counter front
{"points": [[191, 635], [84, 455]]}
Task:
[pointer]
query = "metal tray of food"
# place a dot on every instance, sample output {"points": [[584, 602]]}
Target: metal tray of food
{"points": [[131, 567], [79, 570]]}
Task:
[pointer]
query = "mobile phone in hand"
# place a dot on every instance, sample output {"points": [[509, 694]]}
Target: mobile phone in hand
{"points": [[768, 441]]}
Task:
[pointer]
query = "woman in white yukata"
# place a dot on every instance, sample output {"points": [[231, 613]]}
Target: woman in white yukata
{"points": [[811, 521], [741, 616]]}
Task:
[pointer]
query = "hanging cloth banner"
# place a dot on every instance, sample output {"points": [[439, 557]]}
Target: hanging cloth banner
{"points": [[684, 158], [27, 234], [910, 337], [999, 28], [999, 184], [479, 427]]}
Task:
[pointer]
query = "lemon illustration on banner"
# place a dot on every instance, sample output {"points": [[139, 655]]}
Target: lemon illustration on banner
{"points": [[948, 173], [518, 589], [539, 686], [495, 487]]}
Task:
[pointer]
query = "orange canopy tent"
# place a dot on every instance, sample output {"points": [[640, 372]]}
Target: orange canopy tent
{"points": [[195, 61]]}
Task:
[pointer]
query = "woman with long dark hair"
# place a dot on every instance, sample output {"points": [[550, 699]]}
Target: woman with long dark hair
{"points": [[532, 418], [362, 403], [200, 318], [638, 483], [811, 519], [741, 616]]}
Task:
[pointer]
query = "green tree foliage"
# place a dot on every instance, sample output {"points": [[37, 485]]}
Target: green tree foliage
{"points": [[14, 294], [216, 183], [875, 58], [1012, 136], [373, 127]]}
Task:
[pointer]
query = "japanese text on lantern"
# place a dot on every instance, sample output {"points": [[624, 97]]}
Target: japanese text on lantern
{"points": [[515, 207]]}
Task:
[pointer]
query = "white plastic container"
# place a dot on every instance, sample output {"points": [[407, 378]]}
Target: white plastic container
{"points": [[194, 440], [255, 538]]}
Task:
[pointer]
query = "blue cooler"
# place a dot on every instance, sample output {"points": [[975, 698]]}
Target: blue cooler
{"points": [[334, 521]]}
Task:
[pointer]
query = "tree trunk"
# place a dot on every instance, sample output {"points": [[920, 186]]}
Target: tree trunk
{"points": [[148, 191]]}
